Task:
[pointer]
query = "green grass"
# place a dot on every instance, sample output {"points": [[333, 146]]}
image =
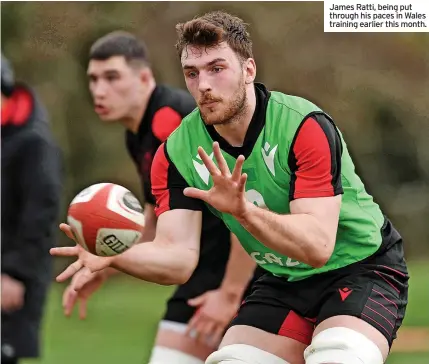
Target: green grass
{"points": [[415, 358], [418, 307], [123, 316]]}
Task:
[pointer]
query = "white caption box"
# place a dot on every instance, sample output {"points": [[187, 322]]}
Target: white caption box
{"points": [[376, 16]]}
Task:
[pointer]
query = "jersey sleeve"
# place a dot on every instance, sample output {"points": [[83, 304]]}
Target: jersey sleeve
{"points": [[164, 122], [142, 170], [168, 185], [315, 159]]}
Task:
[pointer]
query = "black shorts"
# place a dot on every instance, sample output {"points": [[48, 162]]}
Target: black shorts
{"points": [[374, 290], [201, 281]]}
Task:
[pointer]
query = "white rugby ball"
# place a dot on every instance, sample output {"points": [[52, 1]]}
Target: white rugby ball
{"points": [[106, 219]]}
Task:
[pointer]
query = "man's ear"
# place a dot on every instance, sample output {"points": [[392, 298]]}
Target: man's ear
{"points": [[250, 71], [146, 74]]}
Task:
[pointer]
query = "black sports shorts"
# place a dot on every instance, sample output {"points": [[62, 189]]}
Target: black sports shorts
{"points": [[374, 290]]}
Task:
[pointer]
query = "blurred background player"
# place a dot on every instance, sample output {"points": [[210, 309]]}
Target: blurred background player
{"points": [[30, 202], [124, 90]]}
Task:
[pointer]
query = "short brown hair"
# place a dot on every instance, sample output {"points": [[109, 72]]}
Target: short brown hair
{"points": [[119, 43], [213, 28]]}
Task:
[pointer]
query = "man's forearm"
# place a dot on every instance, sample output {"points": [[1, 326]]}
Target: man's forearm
{"points": [[298, 236], [157, 262], [239, 270]]}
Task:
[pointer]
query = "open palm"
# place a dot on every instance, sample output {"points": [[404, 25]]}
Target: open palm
{"points": [[228, 192], [93, 263]]}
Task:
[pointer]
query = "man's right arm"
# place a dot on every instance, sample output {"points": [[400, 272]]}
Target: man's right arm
{"points": [[173, 255]]}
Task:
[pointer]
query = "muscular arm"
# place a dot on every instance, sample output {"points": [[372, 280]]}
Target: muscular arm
{"points": [[308, 233], [172, 256], [239, 270]]}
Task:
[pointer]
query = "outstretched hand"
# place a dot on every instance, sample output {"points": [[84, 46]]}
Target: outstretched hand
{"points": [[91, 263], [81, 287], [215, 310], [228, 192]]}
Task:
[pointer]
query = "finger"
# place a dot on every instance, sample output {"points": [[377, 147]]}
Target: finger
{"points": [[85, 276], [196, 193], [201, 328], [65, 251], [70, 271], [211, 166], [190, 329], [206, 330], [242, 183], [66, 229], [221, 162], [197, 301], [82, 309], [236, 173], [70, 302], [66, 296]]}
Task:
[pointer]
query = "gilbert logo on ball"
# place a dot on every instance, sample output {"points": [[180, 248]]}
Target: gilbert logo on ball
{"points": [[106, 219]]}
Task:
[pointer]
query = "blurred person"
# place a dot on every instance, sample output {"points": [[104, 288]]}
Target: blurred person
{"points": [[336, 285], [30, 202], [125, 91]]}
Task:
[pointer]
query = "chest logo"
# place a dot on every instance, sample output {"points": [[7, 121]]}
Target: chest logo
{"points": [[201, 169], [268, 156]]}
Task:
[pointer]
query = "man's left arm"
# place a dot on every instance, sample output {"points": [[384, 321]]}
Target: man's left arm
{"points": [[308, 233]]}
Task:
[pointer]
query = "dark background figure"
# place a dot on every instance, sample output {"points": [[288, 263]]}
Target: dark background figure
{"points": [[31, 181]]}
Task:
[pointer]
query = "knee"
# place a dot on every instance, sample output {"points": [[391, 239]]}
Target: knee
{"points": [[342, 345], [163, 355], [243, 354]]}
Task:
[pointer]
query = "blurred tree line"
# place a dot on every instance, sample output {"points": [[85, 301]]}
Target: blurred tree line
{"points": [[374, 85]]}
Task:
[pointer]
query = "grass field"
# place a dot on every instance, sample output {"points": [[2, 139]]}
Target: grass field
{"points": [[123, 317]]}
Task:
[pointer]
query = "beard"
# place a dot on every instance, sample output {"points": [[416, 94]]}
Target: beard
{"points": [[224, 111]]}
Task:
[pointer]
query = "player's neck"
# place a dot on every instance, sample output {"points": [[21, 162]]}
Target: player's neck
{"points": [[235, 130], [133, 120]]}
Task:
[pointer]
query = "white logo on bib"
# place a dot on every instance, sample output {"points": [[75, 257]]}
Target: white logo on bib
{"points": [[201, 169], [269, 157]]}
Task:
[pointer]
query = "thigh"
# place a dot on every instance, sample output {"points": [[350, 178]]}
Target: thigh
{"points": [[172, 335], [283, 347]]}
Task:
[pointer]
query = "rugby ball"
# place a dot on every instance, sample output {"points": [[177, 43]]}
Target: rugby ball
{"points": [[106, 219]]}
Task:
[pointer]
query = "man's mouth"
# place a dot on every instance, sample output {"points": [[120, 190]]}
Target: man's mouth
{"points": [[209, 103], [100, 109]]}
